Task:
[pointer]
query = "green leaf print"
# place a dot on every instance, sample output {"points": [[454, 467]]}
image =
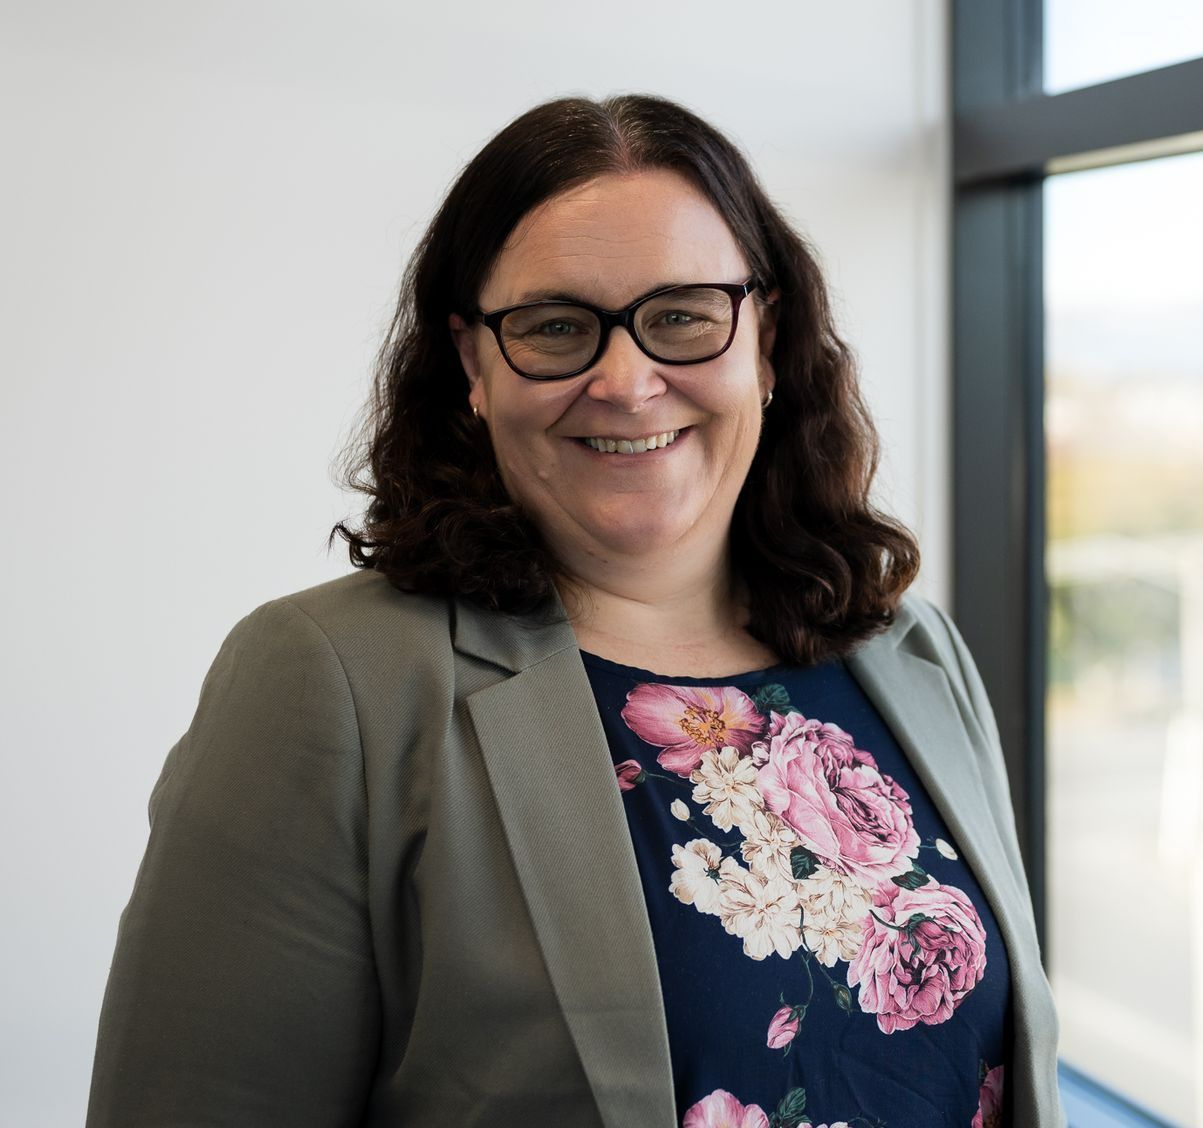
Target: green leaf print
{"points": [[914, 878], [791, 1110], [771, 697], [802, 862]]}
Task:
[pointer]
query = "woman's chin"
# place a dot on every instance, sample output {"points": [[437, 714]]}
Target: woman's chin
{"points": [[639, 534]]}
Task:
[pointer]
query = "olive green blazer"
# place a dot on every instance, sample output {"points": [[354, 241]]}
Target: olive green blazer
{"points": [[389, 879]]}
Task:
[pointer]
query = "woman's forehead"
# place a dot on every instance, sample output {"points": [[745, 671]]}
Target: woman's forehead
{"points": [[615, 236]]}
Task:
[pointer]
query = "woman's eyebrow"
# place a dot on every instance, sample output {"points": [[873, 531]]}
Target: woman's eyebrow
{"points": [[558, 295], [549, 295]]}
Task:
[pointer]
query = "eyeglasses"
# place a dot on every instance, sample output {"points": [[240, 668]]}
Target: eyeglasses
{"points": [[554, 339]]}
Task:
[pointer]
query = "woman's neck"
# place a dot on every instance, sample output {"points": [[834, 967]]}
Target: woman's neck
{"points": [[672, 617]]}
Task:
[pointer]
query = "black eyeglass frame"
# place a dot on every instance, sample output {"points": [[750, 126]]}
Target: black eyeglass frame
{"points": [[612, 318]]}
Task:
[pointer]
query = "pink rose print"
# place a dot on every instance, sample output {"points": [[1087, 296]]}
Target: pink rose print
{"points": [[628, 772], [852, 817], [922, 952], [687, 720], [722, 1110], [989, 1105], [783, 1028]]}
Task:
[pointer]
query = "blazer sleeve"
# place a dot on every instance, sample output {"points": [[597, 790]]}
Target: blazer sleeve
{"points": [[243, 988]]}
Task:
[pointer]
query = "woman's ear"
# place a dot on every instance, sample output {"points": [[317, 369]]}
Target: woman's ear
{"points": [[766, 378], [464, 337], [465, 344]]}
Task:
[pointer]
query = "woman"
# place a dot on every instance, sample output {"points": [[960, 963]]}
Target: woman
{"points": [[620, 785]]}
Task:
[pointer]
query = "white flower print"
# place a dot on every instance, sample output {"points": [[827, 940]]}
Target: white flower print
{"points": [[834, 908], [764, 913], [726, 784], [946, 850], [679, 810], [700, 864], [767, 844]]}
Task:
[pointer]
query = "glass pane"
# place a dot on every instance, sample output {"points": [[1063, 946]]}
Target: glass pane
{"points": [[1124, 435], [1088, 41]]}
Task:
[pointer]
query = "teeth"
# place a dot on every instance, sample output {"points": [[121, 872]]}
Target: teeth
{"points": [[633, 446]]}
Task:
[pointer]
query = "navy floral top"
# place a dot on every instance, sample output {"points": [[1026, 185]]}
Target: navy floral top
{"points": [[826, 958]]}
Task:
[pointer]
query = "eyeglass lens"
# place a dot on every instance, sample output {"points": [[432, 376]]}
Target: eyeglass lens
{"points": [[690, 324]]}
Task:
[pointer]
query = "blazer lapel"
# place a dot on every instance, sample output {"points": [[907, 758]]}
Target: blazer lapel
{"points": [[549, 764], [944, 744]]}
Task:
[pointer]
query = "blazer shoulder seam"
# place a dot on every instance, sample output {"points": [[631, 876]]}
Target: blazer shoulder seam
{"points": [[288, 602]]}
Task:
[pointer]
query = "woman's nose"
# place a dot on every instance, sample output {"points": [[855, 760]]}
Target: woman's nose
{"points": [[623, 375]]}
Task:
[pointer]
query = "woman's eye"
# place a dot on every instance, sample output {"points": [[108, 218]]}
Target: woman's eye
{"points": [[555, 329], [679, 318]]}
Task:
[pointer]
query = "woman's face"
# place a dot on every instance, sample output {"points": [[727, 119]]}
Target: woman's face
{"points": [[607, 243]]}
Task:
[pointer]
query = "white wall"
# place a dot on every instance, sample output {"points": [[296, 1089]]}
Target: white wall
{"points": [[206, 210]]}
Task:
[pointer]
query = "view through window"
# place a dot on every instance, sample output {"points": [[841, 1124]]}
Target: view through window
{"points": [[1124, 561], [1088, 41]]}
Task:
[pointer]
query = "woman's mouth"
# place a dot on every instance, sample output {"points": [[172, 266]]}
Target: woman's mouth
{"points": [[632, 446]]}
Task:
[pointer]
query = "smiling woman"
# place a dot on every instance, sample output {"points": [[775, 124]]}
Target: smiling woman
{"points": [[547, 260], [621, 763]]}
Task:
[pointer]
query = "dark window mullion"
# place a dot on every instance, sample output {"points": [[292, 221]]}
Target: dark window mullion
{"points": [[998, 389], [998, 544], [1004, 140]]}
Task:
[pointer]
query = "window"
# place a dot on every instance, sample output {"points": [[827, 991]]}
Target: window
{"points": [[1091, 41], [1123, 285], [1078, 507]]}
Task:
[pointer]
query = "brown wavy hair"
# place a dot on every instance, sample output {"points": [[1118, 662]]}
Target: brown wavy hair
{"points": [[823, 569]]}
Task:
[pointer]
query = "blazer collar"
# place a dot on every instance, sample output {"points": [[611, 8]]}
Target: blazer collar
{"points": [[513, 642], [517, 642]]}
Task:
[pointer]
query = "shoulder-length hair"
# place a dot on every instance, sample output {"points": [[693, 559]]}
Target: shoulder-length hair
{"points": [[822, 568]]}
